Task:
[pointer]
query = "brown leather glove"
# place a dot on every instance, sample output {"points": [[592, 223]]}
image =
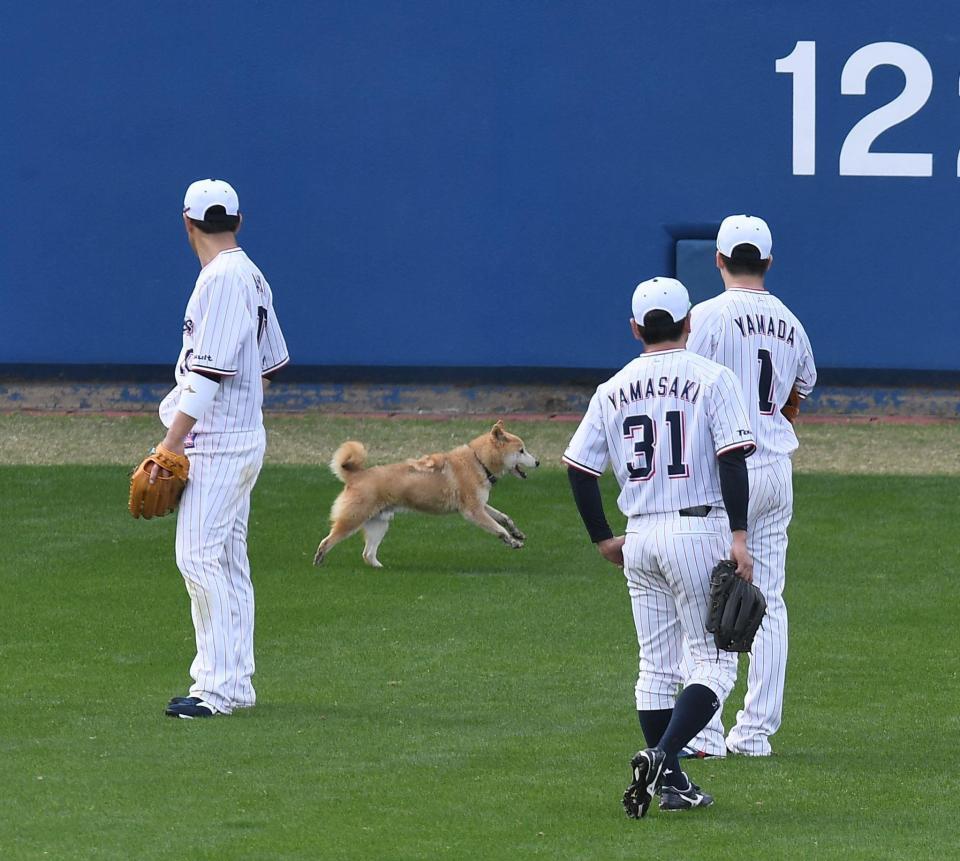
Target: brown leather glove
{"points": [[160, 498], [791, 409]]}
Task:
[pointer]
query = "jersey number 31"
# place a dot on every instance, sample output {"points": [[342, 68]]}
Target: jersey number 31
{"points": [[641, 433]]}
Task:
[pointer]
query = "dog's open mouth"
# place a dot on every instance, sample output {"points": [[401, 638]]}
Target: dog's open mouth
{"points": [[518, 472]]}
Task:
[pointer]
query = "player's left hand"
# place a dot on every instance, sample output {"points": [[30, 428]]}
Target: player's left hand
{"points": [[611, 549], [174, 446], [157, 483]]}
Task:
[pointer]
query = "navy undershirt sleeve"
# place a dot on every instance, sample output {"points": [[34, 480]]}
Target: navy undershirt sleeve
{"points": [[735, 487], [586, 493]]}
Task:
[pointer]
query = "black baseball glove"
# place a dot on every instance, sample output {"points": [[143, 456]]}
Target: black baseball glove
{"points": [[736, 609]]}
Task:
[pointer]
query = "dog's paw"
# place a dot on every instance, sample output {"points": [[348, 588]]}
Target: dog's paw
{"points": [[510, 541], [511, 527], [373, 562], [318, 557]]}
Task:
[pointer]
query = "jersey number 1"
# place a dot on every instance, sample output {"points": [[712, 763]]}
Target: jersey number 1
{"points": [[261, 322], [766, 382], [641, 465]]}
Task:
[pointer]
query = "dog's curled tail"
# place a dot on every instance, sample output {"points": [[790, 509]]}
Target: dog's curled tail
{"points": [[348, 460]]}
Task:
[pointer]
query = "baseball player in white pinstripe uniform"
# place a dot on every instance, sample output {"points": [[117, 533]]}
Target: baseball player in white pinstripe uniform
{"points": [[231, 344], [754, 334], [675, 430]]}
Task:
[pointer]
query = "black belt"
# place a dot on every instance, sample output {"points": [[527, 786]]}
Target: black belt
{"points": [[696, 511]]}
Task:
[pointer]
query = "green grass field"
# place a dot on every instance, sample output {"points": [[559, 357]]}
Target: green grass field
{"points": [[468, 701]]}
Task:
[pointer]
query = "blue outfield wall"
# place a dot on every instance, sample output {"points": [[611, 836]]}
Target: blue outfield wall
{"points": [[446, 184]]}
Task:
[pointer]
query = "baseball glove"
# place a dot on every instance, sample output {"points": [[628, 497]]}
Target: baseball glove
{"points": [[736, 609], [791, 409], [160, 498]]}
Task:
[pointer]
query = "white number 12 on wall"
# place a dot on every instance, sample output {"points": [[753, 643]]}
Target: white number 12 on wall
{"points": [[856, 159]]}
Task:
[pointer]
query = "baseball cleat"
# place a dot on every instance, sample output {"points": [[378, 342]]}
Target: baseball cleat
{"points": [[647, 768], [693, 753], [738, 751], [189, 708], [672, 798]]}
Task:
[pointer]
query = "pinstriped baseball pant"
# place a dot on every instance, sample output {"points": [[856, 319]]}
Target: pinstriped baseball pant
{"points": [[771, 508], [667, 564], [212, 557]]}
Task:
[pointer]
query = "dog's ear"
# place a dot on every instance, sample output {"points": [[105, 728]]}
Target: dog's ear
{"points": [[497, 431]]}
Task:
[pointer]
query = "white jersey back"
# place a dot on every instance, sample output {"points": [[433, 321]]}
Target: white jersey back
{"points": [[230, 328], [661, 422], [755, 335]]}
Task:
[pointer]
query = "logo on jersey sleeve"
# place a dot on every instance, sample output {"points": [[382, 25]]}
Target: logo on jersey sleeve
{"points": [[188, 326]]}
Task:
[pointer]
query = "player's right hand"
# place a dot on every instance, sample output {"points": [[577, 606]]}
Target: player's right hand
{"points": [[740, 555], [611, 549]]}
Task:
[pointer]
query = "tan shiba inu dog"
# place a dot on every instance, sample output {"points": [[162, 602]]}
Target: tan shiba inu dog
{"points": [[457, 480]]}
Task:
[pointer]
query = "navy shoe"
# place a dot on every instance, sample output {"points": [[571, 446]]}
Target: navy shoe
{"points": [[647, 768], [189, 708], [672, 798]]}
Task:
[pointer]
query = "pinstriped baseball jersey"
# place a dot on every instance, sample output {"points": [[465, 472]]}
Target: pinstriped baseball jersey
{"points": [[661, 422], [755, 335], [230, 328]]}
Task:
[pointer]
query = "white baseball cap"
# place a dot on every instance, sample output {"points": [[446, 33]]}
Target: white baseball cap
{"points": [[744, 230], [661, 294], [204, 193]]}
